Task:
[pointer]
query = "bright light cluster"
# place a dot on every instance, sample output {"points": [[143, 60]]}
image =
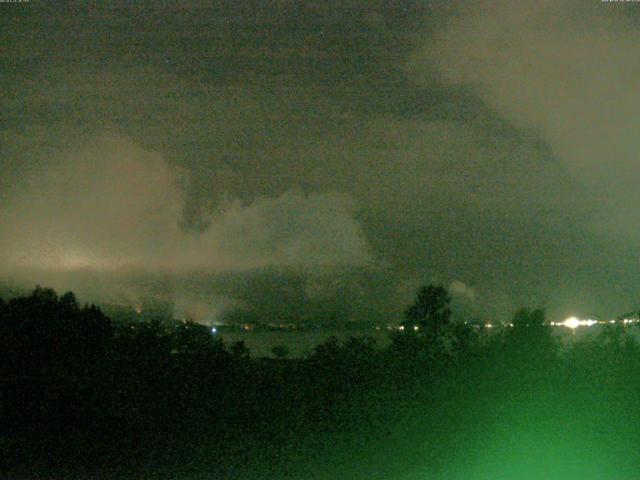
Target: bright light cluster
{"points": [[574, 322]]}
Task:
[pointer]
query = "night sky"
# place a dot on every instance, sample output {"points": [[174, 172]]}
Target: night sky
{"points": [[320, 160]]}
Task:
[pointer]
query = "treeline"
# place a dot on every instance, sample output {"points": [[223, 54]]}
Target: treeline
{"points": [[82, 397]]}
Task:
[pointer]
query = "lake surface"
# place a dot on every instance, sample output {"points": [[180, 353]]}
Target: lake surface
{"points": [[301, 343]]}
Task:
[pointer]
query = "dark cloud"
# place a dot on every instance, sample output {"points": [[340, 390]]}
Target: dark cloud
{"points": [[302, 158]]}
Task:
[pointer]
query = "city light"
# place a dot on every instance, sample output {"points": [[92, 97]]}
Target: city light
{"points": [[574, 322], [571, 322]]}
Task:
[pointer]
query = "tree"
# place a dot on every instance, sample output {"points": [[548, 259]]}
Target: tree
{"points": [[239, 349], [192, 338], [530, 327], [531, 336], [430, 311], [280, 351], [529, 319], [69, 303], [44, 296]]}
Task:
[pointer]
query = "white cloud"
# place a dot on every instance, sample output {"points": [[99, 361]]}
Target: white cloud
{"points": [[113, 205], [461, 290]]}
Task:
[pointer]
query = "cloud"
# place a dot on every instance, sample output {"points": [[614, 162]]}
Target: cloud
{"points": [[106, 204], [461, 290], [507, 143], [564, 69], [112, 205], [293, 230]]}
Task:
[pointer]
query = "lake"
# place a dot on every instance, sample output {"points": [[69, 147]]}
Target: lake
{"points": [[302, 342]]}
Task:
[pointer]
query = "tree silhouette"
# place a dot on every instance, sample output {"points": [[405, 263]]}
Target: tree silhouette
{"points": [[327, 351], [530, 339], [44, 296], [239, 349], [195, 339], [430, 311], [280, 351], [529, 326], [69, 302]]}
